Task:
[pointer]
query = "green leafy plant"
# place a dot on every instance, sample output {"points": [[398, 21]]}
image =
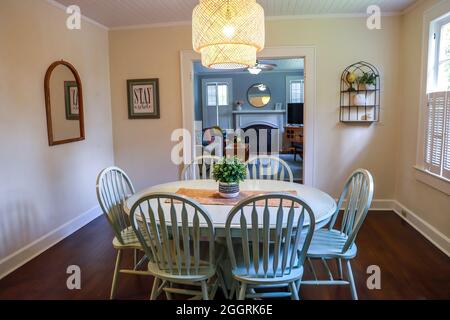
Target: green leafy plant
{"points": [[229, 170], [368, 78]]}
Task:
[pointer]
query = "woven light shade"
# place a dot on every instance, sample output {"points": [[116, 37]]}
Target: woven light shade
{"points": [[228, 33]]}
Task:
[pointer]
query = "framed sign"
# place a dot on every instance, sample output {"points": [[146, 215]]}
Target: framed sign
{"points": [[71, 100], [143, 99]]}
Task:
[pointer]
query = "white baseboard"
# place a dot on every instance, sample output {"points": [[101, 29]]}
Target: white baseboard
{"points": [[437, 238], [440, 240], [22, 256]]}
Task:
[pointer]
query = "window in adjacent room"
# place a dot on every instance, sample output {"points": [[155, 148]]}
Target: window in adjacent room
{"points": [[217, 103], [296, 91]]}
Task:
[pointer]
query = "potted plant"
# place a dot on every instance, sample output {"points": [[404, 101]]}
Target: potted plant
{"points": [[229, 172], [367, 81]]}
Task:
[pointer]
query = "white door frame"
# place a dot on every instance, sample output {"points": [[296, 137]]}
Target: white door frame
{"points": [[188, 57]]}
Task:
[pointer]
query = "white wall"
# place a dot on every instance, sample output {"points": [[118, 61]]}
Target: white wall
{"points": [[143, 147], [429, 204], [42, 187]]}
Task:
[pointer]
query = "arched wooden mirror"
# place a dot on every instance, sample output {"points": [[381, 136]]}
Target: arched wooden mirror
{"points": [[64, 104]]}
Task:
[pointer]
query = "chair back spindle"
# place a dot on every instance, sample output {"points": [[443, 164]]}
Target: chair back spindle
{"points": [[357, 196], [200, 169], [266, 167], [171, 229], [113, 188], [270, 249]]}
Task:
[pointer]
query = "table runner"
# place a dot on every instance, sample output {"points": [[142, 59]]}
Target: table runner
{"points": [[212, 197]]}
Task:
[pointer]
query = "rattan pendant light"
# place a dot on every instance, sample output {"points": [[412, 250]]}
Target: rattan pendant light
{"points": [[228, 33]]}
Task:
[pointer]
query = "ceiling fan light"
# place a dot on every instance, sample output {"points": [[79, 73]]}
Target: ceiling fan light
{"points": [[228, 33], [254, 70]]}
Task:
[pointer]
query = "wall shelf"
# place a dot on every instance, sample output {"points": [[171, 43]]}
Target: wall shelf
{"points": [[359, 103]]}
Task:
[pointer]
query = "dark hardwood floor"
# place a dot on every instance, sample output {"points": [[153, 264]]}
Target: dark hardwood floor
{"points": [[411, 267]]}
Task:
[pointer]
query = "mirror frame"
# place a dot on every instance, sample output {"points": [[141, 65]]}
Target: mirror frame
{"points": [[48, 107], [252, 86]]}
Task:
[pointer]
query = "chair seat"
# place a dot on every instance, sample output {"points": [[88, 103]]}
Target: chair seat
{"points": [[240, 273], [129, 238], [205, 271], [329, 244]]}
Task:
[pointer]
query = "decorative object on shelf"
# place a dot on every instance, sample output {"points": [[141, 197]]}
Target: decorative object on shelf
{"points": [[278, 106], [228, 33], [239, 105], [229, 172], [143, 99], [360, 94]]}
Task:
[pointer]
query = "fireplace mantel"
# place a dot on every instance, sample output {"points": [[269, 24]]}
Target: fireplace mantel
{"points": [[245, 118]]}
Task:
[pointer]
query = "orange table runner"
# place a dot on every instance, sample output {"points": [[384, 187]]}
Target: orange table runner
{"points": [[212, 197]]}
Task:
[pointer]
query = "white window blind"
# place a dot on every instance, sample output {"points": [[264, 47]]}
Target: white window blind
{"points": [[297, 91], [437, 142]]}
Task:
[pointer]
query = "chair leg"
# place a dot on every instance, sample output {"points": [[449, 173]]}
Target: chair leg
{"points": [[155, 289], [232, 290], [135, 259], [116, 275], [339, 266], [242, 291], [294, 292], [351, 280], [311, 267], [205, 290], [222, 283], [168, 294]]}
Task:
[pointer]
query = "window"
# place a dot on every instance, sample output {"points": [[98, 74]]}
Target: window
{"points": [[297, 91], [437, 121], [217, 102], [217, 94]]}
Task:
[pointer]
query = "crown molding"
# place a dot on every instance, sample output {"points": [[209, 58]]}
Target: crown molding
{"points": [[268, 18], [64, 8]]}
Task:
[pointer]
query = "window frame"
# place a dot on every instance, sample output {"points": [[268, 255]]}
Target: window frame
{"points": [[302, 90], [204, 97], [289, 80], [435, 16]]}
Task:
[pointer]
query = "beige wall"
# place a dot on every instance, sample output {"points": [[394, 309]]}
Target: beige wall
{"points": [[430, 204], [43, 187], [142, 147]]}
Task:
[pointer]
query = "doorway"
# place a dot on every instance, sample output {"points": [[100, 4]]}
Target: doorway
{"points": [[296, 89]]}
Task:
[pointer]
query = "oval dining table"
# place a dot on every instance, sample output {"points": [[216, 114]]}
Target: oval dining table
{"points": [[322, 205]]}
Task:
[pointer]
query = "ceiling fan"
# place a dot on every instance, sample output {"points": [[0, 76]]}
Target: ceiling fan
{"points": [[258, 67]]}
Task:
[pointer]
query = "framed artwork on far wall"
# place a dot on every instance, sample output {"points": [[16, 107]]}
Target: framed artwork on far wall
{"points": [[71, 100], [143, 99]]}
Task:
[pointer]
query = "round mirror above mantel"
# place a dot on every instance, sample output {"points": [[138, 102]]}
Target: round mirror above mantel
{"points": [[258, 95]]}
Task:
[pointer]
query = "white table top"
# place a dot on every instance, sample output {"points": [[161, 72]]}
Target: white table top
{"points": [[320, 202]]}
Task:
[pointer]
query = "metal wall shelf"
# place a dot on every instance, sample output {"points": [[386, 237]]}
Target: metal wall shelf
{"points": [[354, 111]]}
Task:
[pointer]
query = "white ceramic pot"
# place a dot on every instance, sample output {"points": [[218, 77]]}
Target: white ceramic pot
{"points": [[359, 99], [228, 190]]}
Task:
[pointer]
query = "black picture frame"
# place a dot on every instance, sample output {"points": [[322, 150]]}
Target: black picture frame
{"points": [[68, 98], [143, 99]]}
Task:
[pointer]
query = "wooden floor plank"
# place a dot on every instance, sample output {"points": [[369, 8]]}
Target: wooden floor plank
{"points": [[411, 267]]}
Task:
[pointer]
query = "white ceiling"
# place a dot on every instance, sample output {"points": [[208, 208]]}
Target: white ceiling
{"points": [[124, 13]]}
